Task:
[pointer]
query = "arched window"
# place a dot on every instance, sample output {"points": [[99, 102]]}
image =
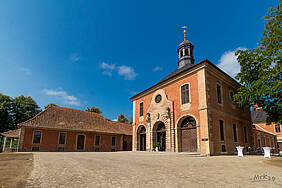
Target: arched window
{"points": [[185, 94], [181, 53]]}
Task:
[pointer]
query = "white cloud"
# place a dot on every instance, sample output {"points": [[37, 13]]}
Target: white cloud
{"points": [[108, 68], [127, 72], [104, 65], [27, 71], [115, 119], [157, 68], [228, 62], [74, 57], [67, 99]]}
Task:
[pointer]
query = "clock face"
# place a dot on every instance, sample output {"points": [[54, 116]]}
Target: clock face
{"points": [[158, 98]]}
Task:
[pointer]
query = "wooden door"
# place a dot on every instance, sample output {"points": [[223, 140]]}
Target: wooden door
{"points": [[189, 140], [80, 142]]}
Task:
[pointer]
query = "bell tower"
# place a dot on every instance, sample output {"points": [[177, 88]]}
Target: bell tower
{"points": [[185, 52]]}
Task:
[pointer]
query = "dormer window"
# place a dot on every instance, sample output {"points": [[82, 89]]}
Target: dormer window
{"points": [[277, 128]]}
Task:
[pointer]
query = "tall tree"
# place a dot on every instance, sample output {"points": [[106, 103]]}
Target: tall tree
{"points": [[50, 104], [6, 120], [260, 74], [93, 109], [122, 118], [24, 108]]}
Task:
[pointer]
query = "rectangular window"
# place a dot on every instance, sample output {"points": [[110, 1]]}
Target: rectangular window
{"points": [[36, 137], [245, 134], [235, 133], [185, 94], [62, 138], [113, 141], [97, 140], [141, 109], [277, 128], [218, 90], [221, 130]]}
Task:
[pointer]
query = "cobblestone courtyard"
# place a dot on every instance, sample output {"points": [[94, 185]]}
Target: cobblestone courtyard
{"points": [[144, 169]]}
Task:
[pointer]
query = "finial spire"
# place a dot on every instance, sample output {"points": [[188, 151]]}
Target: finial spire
{"points": [[184, 31]]}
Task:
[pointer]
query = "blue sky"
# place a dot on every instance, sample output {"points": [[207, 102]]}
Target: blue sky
{"points": [[100, 53]]}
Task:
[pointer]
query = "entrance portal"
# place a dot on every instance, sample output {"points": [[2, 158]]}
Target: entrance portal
{"points": [[141, 138], [160, 136], [188, 135]]}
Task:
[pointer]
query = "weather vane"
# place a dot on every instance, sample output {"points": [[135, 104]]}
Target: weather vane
{"points": [[184, 27]]}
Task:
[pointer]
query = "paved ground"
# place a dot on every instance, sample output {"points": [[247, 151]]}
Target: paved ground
{"points": [[144, 169]]}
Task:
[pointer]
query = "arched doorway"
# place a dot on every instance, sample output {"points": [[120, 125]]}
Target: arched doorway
{"points": [[160, 136], [188, 135], [141, 138]]}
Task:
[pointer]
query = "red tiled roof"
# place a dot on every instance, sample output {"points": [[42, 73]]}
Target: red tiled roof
{"points": [[12, 133], [259, 128], [67, 118]]}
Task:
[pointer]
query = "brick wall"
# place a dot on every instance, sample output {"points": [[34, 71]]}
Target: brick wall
{"points": [[50, 140]]}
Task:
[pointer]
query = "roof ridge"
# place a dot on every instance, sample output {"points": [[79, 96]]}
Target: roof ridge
{"points": [[80, 111]]}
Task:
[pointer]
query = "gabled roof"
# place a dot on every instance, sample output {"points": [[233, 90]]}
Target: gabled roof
{"points": [[12, 133], [258, 115], [259, 128], [183, 70], [66, 118]]}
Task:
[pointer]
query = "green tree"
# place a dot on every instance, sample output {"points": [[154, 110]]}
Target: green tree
{"points": [[50, 104], [122, 118], [6, 119], [260, 74], [93, 109], [24, 108]]}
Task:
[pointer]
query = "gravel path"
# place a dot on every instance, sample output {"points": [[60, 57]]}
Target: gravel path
{"points": [[146, 169]]}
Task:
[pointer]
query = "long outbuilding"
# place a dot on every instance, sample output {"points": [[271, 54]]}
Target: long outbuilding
{"points": [[66, 129]]}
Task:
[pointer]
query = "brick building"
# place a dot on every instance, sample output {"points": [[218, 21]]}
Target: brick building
{"points": [[65, 129], [191, 110], [263, 134]]}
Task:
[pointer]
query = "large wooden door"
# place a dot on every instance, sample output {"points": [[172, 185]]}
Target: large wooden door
{"points": [[188, 135], [80, 142], [189, 140]]}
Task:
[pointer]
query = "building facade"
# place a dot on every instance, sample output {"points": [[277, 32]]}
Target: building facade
{"points": [[265, 135], [65, 129], [191, 110]]}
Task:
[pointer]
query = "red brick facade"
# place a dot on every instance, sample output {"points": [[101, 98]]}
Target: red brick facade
{"points": [[113, 136], [203, 107]]}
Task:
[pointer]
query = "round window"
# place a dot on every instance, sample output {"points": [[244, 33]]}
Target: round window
{"points": [[158, 98]]}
